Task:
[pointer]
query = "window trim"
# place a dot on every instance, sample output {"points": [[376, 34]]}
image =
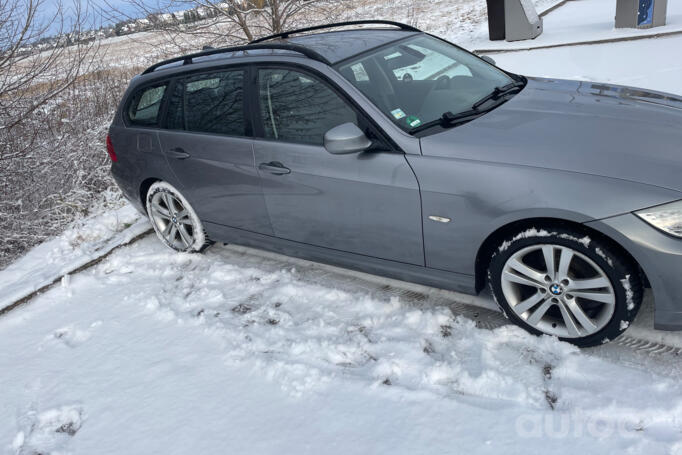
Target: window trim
{"points": [[160, 117], [259, 130], [178, 79], [251, 99]]}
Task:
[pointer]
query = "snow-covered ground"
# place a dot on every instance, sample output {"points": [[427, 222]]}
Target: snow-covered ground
{"points": [[584, 20], [646, 63], [85, 241], [156, 352], [234, 351], [462, 21]]}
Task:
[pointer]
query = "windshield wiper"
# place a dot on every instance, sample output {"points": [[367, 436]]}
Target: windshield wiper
{"points": [[498, 93], [448, 119]]}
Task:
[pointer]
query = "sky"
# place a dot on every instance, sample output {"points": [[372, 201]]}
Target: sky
{"points": [[100, 12]]}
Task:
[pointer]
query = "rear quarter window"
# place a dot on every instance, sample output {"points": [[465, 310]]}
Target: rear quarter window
{"points": [[145, 104]]}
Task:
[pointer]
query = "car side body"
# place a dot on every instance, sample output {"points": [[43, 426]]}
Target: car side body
{"points": [[430, 208]]}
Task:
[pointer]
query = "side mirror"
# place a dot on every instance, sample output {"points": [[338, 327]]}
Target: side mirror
{"points": [[489, 59], [345, 139]]}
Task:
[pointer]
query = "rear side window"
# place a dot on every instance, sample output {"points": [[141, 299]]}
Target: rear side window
{"points": [[144, 107], [209, 103]]}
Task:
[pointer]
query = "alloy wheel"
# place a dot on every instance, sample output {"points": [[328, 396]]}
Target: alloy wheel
{"points": [[558, 290], [172, 220]]}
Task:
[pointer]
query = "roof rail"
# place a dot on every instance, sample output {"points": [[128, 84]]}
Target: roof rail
{"points": [[337, 24], [188, 59]]}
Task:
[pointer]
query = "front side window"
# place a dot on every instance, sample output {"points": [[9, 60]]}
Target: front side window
{"points": [[417, 80], [144, 107], [209, 103], [297, 107]]}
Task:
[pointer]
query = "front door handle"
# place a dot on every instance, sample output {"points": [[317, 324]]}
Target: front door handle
{"points": [[274, 167], [178, 153]]}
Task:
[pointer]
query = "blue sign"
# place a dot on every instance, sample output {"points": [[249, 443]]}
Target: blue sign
{"points": [[645, 13]]}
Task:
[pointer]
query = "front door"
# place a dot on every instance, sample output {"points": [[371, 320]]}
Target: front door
{"points": [[206, 144], [366, 203]]}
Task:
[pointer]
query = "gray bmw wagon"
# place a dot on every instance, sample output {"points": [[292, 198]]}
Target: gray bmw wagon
{"points": [[395, 152]]}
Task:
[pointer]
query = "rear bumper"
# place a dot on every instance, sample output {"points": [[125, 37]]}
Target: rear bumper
{"points": [[129, 191], [660, 256]]}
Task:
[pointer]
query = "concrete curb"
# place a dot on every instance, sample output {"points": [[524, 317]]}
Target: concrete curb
{"points": [[552, 8], [581, 43], [94, 261]]}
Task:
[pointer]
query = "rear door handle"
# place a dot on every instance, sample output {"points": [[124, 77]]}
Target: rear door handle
{"points": [[274, 167], [178, 153]]}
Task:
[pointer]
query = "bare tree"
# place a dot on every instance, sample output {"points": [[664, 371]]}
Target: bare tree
{"points": [[191, 24], [43, 56], [34, 71]]}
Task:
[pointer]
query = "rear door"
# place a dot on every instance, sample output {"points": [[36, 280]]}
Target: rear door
{"points": [[208, 145], [366, 203]]}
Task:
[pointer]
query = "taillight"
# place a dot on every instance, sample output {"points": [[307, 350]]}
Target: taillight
{"points": [[110, 149]]}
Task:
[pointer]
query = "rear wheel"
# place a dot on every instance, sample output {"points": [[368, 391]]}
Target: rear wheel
{"points": [[174, 220], [562, 282]]}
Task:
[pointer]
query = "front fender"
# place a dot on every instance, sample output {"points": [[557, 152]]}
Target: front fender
{"points": [[480, 197]]}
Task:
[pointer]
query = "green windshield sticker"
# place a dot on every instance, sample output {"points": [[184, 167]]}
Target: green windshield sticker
{"points": [[398, 113], [413, 121]]}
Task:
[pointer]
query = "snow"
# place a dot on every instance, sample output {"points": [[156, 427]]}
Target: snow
{"points": [[585, 241], [85, 241], [47, 431], [579, 21], [647, 64], [629, 294], [152, 351], [528, 233], [463, 21], [603, 255], [534, 232]]}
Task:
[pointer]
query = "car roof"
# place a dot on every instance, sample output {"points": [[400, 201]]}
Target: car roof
{"points": [[329, 47], [339, 45]]}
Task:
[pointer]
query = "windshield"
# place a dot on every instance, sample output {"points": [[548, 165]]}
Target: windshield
{"points": [[415, 81]]}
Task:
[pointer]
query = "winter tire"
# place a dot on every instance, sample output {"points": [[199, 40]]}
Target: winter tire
{"points": [[561, 282], [174, 220]]}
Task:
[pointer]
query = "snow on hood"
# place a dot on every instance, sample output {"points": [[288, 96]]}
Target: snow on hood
{"points": [[586, 127]]}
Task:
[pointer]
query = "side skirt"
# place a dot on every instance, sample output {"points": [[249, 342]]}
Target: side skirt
{"points": [[367, 264]]}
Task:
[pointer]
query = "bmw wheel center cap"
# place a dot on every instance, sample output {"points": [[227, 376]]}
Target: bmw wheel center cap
{"points": [[556, 289]]}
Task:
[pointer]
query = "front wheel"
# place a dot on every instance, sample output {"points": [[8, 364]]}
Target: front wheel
{"points": [[174, 220], [564, 283]]}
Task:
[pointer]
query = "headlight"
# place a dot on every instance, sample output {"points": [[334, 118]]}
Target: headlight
{"points": [[667, 218]]}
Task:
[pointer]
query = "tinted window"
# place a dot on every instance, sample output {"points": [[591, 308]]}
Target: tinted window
{"points": [[209, 103], [144, 107], [296, 107]]}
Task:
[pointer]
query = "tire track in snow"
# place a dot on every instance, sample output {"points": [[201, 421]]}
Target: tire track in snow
{"points": [[482, 309], [636, 351], [306, 327]]}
